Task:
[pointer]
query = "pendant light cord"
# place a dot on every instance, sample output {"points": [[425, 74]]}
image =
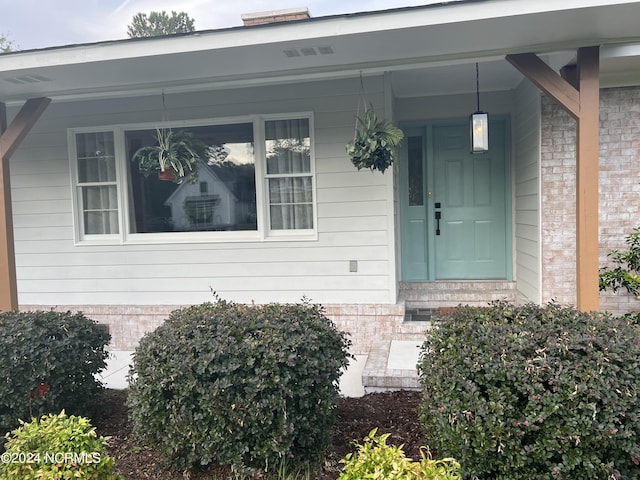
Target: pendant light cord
{"points": [[477, 87]]}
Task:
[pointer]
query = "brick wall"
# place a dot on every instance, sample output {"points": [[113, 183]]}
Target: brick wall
{"points": [[275, 16], [366, 324], [619, 191]]}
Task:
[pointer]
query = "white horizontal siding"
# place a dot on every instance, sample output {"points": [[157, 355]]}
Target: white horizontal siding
{"points": [[353, 214], [363, 296], [243, 258], [348, 194], [361, 208], [230, 270], [34, 244], [191, 284], [353, 224], [526, 127], [38, 220], [42, 207], [35, 194], [350, 179]]}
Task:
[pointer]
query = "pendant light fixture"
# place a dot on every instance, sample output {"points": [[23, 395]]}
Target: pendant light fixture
{"points": [[479, 124]]}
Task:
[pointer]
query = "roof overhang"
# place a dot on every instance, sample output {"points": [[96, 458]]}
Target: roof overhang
{"points": [[432, 40]]}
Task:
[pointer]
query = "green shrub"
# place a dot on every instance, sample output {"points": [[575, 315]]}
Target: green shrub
{"points": [[242, 385], [48, 362], [534, 392], [376, 459], [56, 447]]}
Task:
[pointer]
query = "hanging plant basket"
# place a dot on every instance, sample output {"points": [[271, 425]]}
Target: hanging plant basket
{"points": [[174, 157], [169, 175], [375, 143]]}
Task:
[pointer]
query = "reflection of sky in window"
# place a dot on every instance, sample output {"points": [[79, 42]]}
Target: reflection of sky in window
{"points": [[231, 142], [239, 153], [296, 145]]}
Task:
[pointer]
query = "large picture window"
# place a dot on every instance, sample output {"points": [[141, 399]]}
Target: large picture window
{"points": [[223, 197], [238, 187]]}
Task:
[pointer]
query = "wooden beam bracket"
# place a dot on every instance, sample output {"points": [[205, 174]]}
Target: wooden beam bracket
{"points": [[547, 80]]}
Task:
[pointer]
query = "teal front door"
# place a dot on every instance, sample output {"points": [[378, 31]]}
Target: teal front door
{"points": [[455, 222]]}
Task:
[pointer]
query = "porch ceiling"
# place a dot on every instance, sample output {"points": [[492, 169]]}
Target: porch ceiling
{"points": [[427, 48]]}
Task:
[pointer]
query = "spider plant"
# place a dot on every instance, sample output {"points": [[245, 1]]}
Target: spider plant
{"points": [[175, 151]]}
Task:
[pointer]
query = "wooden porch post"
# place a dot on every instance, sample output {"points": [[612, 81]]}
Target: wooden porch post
{"points": [[588, 169], [10, 139], [8, 290], [580, 97]]}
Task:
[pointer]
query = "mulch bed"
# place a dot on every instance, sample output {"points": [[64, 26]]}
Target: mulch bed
{"points": [[395, 413]]}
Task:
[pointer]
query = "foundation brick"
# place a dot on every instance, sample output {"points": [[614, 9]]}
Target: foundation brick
{"points": [[366, 324]]}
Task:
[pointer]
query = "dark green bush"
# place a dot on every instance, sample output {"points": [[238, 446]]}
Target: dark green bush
{"points": [[57, 447], [534, 392], [48, 362], [248, 386]]}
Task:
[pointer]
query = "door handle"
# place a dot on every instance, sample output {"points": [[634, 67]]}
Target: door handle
{"points": [[438, 217]]}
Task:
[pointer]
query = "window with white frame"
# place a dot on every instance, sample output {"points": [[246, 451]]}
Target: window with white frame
{"points": [[97, 187], [227, 196], [225, 192], [289, 175]]}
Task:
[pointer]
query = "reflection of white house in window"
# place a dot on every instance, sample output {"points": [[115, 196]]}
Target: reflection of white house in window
{"points": [[206, 205]]}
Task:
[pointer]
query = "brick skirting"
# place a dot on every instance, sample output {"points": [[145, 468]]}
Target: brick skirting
{"points": [[366, 324]]}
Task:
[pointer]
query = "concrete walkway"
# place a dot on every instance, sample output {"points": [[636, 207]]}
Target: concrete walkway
{"points": [[402, 356]]}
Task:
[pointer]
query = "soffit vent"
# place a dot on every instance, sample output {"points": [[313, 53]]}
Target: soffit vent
{"points": [[308, 51], [291, 52], [23, 79], [326, 50]]}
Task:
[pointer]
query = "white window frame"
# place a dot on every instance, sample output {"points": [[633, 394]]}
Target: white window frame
{"points": [[76, 189], [263, 231], [287, 234]]}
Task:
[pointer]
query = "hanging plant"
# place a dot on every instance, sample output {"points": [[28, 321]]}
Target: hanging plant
{"points": [[375, 142], [175, 152]]}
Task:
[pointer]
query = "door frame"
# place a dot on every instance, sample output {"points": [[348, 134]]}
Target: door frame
{"points": [[425, 129]]}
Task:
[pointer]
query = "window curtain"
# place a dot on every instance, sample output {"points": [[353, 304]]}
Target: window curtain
{"points": [[100, 210]]}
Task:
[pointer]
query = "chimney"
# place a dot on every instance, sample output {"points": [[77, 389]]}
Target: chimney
{"points": [[275, 16]]}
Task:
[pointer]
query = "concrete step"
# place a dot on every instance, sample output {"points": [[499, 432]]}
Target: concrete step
{"points": [[392, 365]]}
